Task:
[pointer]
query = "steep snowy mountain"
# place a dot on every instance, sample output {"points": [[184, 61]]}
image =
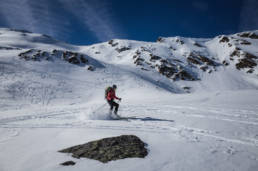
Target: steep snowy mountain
{"points": [[36, 69], [177, 64], [189, 59], [194, 101]]}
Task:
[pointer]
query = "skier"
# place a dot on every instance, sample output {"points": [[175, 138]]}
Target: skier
{"points": [[110, 95]]}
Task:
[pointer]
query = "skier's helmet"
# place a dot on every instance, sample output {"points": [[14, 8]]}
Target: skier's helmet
{"points": [[114, 86]]}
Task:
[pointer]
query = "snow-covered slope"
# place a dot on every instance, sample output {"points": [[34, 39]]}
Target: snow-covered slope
{"points": [[191, 59], [195, 101]]}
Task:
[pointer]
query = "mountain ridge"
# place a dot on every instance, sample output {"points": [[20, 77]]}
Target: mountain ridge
{"points": [[174, 65]]}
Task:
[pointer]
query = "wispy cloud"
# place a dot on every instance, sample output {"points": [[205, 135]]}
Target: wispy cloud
{"points": [[17, 13], [54, 17], [35, 16], [96, 16], [249, 15]]}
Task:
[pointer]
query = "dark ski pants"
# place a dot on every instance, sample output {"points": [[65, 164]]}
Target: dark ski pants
{"points": [[113, 104]]}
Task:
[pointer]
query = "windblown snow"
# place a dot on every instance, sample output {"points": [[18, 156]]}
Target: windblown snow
{"points": [[193, 101]]}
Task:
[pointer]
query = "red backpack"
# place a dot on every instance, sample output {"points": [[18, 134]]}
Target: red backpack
{"points": [[107, 90]]}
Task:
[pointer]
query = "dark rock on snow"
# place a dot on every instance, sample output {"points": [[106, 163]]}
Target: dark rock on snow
{"points": [[107, 149], [245, 42], [160, 39], [197, 44], [68, 163], [91, 68], [248, 35], [225, 63], [224, 39], [68, 56], [112, 43], [246, 63], [119, 50], [154, 57], [9, 48]]}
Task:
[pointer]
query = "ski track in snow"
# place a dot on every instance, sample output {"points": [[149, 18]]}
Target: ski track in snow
{"points": [[8, 134], [70, 119]]}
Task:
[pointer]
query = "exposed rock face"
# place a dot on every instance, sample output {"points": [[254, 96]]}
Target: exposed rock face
{"points": [[112, 43], [160, 39], [248, 35], [187, 89], [180, 41], [91, 68], [119, 50], [20, 30], [107, 149], [184, 75], [8, 48], [244, 60], [170, 68], [204, 63], [168, 71], [71, 57], [236, 52], [245, 42], [225, 63], [68, 163], [245, 63], [197, 44], [138, 61], [224, 39], [248, 61], [154, 57]]}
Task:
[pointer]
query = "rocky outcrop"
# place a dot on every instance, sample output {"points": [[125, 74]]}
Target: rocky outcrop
{"points": [[250, 35], [154, 57], [224, 39], [166, 70], [119, 50], [181, 42], [68, 163], [108, 149], [198, 59], [160, 39], [197, 44], [138, 61], [112, 43], [247, 61], [245, 42], [68, 56], [9, 48], [243, 60], [20, 30], [236, 53], [172, 69], [72, 57], [225, 63]]}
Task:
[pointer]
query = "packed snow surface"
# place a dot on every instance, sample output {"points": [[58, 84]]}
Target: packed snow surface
{"points": [[46, 106]]}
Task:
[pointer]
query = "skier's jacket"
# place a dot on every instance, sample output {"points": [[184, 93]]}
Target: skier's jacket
{"points": [[111, 95]]}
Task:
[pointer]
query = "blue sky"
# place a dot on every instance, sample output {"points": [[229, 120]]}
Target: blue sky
{"points": [[86, 22]]}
